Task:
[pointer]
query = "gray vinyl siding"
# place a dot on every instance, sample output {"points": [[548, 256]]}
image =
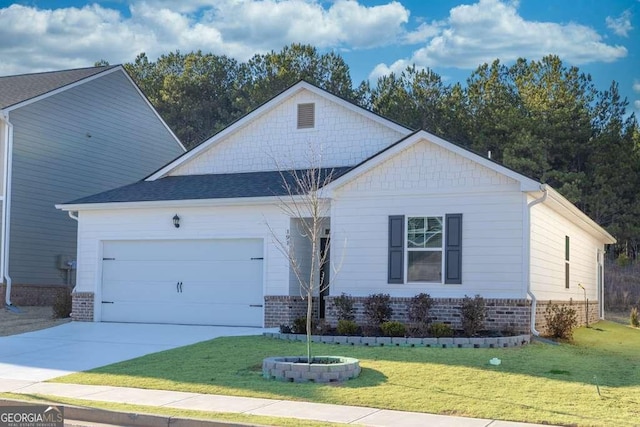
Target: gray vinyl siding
{"points": [[54, 161]]}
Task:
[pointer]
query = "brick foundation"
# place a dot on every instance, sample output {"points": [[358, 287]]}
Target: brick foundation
{"points": [[284, 309], [82, 306], [33, 295], [578, 306], [511, 315]]}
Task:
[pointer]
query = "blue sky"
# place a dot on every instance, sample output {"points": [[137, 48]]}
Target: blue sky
{"points": [[375, 37]]}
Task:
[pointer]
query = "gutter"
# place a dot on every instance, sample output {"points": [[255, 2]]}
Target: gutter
{"points": [[6, 207], [534, 301]]}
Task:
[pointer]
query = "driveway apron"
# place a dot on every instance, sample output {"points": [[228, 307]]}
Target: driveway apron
{"points": [[78, 346]]}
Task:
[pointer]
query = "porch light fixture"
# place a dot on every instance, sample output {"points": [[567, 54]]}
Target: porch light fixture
{"points": [[176, 221]]}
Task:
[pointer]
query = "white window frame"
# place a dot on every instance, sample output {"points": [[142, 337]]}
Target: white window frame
{"points": [[407, 249]]}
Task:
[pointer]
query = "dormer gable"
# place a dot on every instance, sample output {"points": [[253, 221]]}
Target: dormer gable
{"points": [[286, 132]]}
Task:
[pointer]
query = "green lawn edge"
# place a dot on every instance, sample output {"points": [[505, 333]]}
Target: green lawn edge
{"points": [[256, 420], [593, 381]]}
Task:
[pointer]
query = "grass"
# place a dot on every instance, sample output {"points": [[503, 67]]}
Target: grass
{"points": [[595, 381], [178, 413]]}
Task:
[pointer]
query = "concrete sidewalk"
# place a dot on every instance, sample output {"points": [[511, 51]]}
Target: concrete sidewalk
{"points": [[245, 405]]}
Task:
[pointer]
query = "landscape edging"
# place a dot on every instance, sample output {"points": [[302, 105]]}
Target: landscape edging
{"points": [[448, 342]]}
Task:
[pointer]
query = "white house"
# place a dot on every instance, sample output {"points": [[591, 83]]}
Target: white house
{"points": [[64, 135], [406, 212]]}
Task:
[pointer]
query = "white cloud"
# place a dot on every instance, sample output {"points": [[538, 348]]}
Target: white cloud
{"points": [[490, 29], [621, 25], [69, 37], [636, 85], [423, 33]]}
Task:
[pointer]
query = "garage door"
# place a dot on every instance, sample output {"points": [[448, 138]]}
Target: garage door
{"points": [[197, 282]]}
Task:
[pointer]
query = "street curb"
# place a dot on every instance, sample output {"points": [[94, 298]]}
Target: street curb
{"points": [[104, 416]]}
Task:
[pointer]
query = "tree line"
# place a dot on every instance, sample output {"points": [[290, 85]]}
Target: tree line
{"points": [[541, 118]]}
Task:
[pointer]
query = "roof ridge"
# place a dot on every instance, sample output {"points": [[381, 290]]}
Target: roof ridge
{"points": [[105, 67], [17, 89]]}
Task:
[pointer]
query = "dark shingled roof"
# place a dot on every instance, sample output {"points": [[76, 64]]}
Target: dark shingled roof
{"points": [[215, 186], [16, 89]]}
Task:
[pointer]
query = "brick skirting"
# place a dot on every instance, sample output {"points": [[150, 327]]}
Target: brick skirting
{"points": [[512, 315], [503, 315], [284, 309], [33, 295], [82, 306], [578, 306]]}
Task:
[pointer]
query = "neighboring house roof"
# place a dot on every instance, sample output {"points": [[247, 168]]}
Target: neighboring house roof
{"points": [[267, 106], [17, 89], [216, 186]]}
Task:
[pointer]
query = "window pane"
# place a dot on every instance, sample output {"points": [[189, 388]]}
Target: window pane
{"points": [[433, 240], [415, 240], [424, 266], [415, 225], [434, 223]]}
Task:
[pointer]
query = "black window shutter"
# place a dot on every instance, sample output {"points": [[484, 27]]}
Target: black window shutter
{"points": [[453, 249], [396, 249]]}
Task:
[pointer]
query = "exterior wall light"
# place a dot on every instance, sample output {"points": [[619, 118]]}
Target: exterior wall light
{"points": [[176, 221]]}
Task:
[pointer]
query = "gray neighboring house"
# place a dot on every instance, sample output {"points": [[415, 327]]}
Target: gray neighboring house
{"points": [[63, 135]]}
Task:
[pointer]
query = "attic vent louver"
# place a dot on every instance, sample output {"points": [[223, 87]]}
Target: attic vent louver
{"points": [[306, 116]]}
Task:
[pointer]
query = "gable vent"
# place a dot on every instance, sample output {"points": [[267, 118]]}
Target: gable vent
{"points": [[306, 116]]}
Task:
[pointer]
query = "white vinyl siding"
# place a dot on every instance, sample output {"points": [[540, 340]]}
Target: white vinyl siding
{"points": [[273, 141], [422, 180], [549, 230], [231, 222]]}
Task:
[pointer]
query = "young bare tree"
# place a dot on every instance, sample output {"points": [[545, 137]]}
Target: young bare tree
{"points": [[304, 200]]}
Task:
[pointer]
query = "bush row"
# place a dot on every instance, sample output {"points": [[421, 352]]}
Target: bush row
{"points": [[378, 312]]}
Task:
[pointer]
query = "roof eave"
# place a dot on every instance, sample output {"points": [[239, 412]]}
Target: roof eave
{"points": [[236, 201], [526, 184], [587, 223]]}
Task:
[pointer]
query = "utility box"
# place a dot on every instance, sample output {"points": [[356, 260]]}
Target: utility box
{"points": [[66, 262]]}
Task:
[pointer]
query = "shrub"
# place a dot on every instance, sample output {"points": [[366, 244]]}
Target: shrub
{"points": [[62, 304], [473, 312], [393, 329], [300, 325], [347, 327], [322, 327], [344, 307], [419, 308], [561, 320], [377, 309], [285, 329], [439, 330], [635, 321]]}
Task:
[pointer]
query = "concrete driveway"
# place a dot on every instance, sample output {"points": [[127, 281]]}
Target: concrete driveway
{"points": [[78, 346]]}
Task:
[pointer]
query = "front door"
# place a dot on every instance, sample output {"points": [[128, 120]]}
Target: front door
{"points": [[324, 274]]}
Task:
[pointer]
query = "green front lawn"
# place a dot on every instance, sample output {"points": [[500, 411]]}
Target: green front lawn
{"points": [[537, 383]]}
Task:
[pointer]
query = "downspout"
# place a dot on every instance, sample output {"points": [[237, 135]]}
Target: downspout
{"points": [[534, 301], [70, 272], [6, 207]]}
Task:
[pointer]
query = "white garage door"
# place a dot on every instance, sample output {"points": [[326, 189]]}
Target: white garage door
{"points": [[197, 282]]}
